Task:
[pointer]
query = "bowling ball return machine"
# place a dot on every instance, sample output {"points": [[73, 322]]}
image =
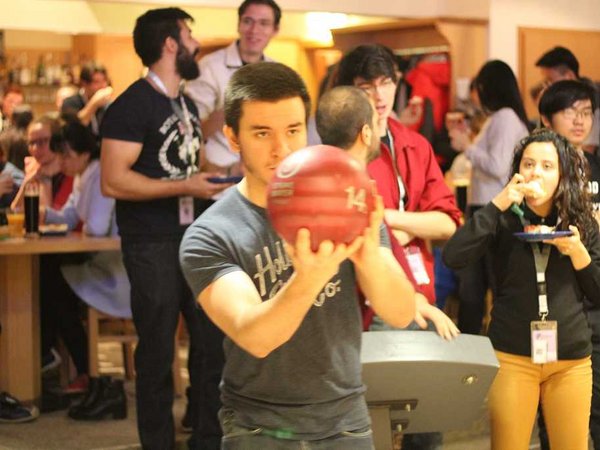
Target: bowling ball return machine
{"points": [[419, 383]]}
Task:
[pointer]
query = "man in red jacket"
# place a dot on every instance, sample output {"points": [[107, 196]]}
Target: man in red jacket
{"points": [[419, 207]]}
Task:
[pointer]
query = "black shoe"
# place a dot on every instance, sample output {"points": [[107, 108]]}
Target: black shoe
{"points": [[12, 411], [95, 390], [110, 402]]}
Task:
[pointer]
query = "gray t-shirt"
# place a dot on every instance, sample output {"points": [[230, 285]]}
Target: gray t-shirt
{"points": [[310, 386]]}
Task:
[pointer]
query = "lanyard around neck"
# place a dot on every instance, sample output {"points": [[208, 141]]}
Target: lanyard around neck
{"points": [[401, 186], [183, 114], [540, 259]]}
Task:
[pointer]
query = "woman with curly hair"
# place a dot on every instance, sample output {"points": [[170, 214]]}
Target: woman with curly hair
{"points": [[538, 327]]}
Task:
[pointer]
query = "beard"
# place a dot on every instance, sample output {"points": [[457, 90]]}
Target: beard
{"points": [[186, 64]]}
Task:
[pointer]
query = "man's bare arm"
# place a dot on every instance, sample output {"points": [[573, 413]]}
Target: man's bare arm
{"points": [[433, 225], [121, 182], [234, 305]]}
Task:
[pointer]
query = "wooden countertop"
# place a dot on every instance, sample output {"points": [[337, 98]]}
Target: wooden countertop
{"points": [[72, 242]]}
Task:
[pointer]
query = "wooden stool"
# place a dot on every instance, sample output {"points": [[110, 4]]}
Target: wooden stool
{"points": [[105, 328]]}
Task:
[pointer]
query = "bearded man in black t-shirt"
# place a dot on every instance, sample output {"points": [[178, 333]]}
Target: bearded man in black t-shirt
{"points": [[151, 142]]}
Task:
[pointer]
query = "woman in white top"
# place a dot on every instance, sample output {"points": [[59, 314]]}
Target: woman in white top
{"points": [[100, 279], [490, 155]]}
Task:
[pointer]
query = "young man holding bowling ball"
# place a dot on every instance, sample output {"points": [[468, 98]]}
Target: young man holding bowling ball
{"points": [[292, 369]]}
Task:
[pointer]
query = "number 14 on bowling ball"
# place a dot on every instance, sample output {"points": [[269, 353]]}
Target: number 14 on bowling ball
{"points": [[323, 189]]}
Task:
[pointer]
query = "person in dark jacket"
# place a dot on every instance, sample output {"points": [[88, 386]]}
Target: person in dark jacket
{"points": [[539, 327]]}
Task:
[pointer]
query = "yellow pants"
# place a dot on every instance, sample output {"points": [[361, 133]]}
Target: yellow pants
{"points": [[564, 389]]}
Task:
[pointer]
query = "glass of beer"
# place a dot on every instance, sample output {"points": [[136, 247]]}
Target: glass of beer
{"points": [[16, 222], [32, 209]]}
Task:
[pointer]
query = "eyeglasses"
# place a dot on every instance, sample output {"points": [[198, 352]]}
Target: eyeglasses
{"points": [[249, 22], [372, 88], [40, 142], [572, 113]]}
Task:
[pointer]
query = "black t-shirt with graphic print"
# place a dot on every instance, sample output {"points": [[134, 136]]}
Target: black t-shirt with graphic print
{"points": [[143, 115], [594, 181]]}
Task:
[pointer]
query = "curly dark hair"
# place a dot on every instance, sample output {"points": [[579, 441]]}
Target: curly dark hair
{"points": [[572, 198]]}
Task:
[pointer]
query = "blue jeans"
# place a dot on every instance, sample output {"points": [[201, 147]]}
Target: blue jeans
{"points": [[236, 437], [159, 293]]}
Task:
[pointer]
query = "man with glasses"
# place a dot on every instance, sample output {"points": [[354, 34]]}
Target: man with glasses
{"points": [[419, 207], [258, 23], [559, 64], [567, 107]]}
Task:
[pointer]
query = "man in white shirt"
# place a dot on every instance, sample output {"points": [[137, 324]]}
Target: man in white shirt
{"points": [[258, 23]]}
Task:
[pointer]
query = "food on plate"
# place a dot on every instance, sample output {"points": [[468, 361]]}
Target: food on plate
{"points": [[54, 228], [539, 229]]}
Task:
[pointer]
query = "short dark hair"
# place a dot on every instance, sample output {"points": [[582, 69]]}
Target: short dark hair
{"points": [[497, 88], [262, 81], [367, 61], [79, 137], [151, 30], [274, 6], [89, 69], [342, 113], [559, 57], [22, 116], [563, 94]]}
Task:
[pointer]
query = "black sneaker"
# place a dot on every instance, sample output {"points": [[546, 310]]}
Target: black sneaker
{"points": [[12, 411]]}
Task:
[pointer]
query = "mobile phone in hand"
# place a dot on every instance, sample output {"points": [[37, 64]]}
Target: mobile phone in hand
{"points": [[224, 180]]}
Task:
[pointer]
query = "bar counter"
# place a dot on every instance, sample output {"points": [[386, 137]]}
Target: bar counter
{"points": [[20, 362]]}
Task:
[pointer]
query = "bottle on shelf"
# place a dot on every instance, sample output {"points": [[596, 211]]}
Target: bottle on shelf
{"points": [[40, 71]]}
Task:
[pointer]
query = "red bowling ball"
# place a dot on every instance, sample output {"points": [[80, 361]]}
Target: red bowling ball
{"points": [[323, 189]]}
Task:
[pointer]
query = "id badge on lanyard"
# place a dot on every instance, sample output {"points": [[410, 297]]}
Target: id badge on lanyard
{"points": [[190, 144], [544, 341], [414, 257], [544, 333], [186, 203]]}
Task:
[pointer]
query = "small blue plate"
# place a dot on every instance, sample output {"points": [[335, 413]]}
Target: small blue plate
{"points": [[539, 237]]}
